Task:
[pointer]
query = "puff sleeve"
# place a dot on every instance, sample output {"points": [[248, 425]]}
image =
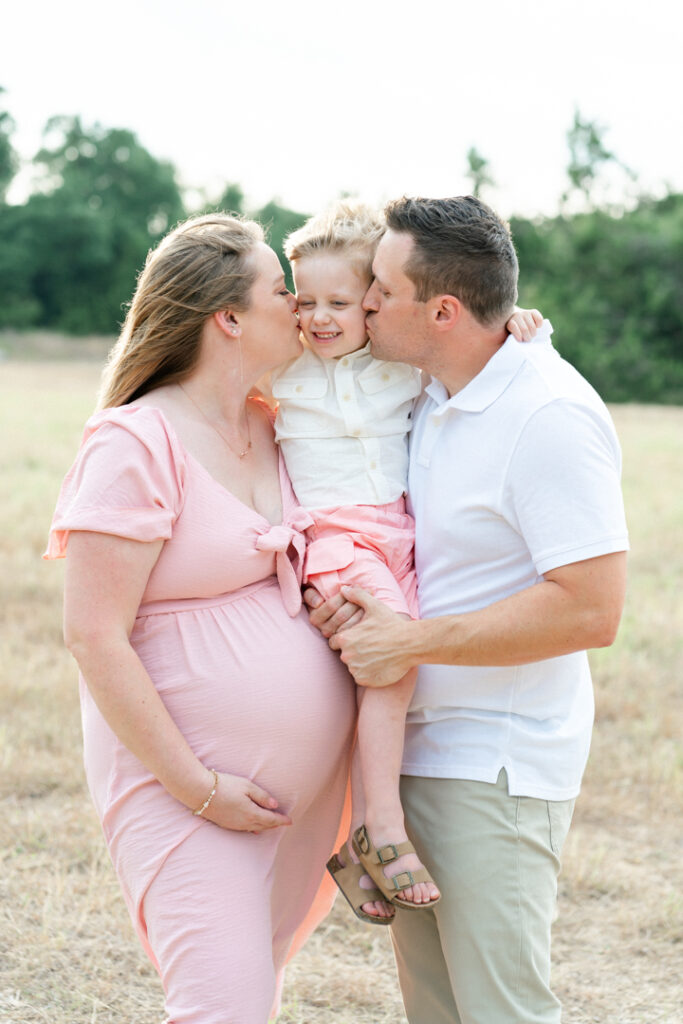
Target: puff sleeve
{"points": [[127, 480]]}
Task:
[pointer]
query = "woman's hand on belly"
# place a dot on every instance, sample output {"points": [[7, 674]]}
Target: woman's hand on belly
{"points": [[241, 805]]}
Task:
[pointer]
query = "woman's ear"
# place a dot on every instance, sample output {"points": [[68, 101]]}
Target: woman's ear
{"points": [[227, 322]]}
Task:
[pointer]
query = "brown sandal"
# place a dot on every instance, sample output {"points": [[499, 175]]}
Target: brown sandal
{"points": [[373, 861], [347, 877]]}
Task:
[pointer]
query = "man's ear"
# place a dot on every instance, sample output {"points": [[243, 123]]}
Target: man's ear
{"points": [[446, 311], [226, 320]]}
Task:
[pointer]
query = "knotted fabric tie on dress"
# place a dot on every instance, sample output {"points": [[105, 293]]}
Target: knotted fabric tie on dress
{"points": [[280, 539]]}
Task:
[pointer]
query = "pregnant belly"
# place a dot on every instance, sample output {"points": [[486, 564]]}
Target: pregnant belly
{"points": [[255, 692]]}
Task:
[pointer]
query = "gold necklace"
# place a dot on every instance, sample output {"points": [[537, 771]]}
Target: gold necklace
{"points": [[240, 455]]}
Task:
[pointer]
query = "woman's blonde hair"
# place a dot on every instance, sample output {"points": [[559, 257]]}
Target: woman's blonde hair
{"points": [[201, 267], [347, 227]]}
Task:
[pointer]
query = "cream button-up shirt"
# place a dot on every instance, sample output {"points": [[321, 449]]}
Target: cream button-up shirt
{"points": [[343, 425]]}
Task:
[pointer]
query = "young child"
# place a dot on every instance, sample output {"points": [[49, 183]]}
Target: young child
{"points": [[342, 424]]}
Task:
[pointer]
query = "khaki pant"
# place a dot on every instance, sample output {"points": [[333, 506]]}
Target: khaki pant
{"points": [[482, 955]]}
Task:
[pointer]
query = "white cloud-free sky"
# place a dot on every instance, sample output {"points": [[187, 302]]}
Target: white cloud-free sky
{"points": [[302, 100]]}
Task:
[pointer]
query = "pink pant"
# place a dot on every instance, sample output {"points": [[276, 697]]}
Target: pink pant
{"points": [[369, 546]]}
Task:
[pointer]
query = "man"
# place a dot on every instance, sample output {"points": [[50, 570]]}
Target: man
{"points": [[520, 554]]}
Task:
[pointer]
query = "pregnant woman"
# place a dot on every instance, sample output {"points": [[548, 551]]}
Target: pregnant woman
{"points": [[217, 723]]}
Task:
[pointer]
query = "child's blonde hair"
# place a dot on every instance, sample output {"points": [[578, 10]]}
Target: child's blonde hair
{"points": [[347, 227]]}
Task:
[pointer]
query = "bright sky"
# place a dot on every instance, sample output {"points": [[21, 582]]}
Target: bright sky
{"points": [[304, 100]]}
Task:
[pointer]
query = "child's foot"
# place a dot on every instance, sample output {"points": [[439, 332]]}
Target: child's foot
{"points": [[419, 893], [375, 908]]}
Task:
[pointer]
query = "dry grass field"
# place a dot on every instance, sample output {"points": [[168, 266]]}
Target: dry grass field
{"points": [[67, 951]]}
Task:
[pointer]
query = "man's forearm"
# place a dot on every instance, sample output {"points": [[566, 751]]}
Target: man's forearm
{"points": [[574, 608], [532, 625]]}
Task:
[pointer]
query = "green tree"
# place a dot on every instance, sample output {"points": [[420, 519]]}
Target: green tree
{"points": [[587, 154], [232, 199], [78, 243], [280, 222], [588, 159], [478, 171], [108, 171], [8, 157], [612, 287], [55, 259]]}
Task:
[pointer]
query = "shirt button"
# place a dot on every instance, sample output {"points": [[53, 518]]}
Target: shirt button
{"points": [[385, 376], [373, 465], [347, 398], [355, 433], [345, 362], [299, 387]]}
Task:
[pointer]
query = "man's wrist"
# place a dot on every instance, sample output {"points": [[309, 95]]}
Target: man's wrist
{"points": [[429, 637], [419, 641]]}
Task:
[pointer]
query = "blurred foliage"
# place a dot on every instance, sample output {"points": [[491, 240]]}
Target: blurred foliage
{"points": [[478, 171], [610, 280], [613, 289], [279, 222], [587, 155], [8, 158], [69, 256], [589, 160]]}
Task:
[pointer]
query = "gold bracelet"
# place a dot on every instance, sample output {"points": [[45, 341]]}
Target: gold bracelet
{"points": [[211, 795]]}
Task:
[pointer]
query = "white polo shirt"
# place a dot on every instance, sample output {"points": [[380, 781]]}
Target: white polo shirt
{"points": [[343, 427], [515, 475]]}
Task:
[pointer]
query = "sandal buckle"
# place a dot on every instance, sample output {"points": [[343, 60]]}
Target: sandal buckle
{"points": [[387, 854], [363, 839], [403, 880]]}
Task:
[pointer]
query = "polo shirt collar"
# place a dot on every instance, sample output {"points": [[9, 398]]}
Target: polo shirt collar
{"points": [[489, 384]]}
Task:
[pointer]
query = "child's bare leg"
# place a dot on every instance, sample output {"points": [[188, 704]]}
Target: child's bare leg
{"points": [[378, 908], [376, 768], [357, 792], [381, 727]]}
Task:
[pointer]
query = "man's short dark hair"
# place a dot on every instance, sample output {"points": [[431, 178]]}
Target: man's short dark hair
{"points": [[462, 248]]}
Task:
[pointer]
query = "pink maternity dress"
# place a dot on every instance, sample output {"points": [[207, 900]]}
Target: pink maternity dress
{"points": [[256, 692]]}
